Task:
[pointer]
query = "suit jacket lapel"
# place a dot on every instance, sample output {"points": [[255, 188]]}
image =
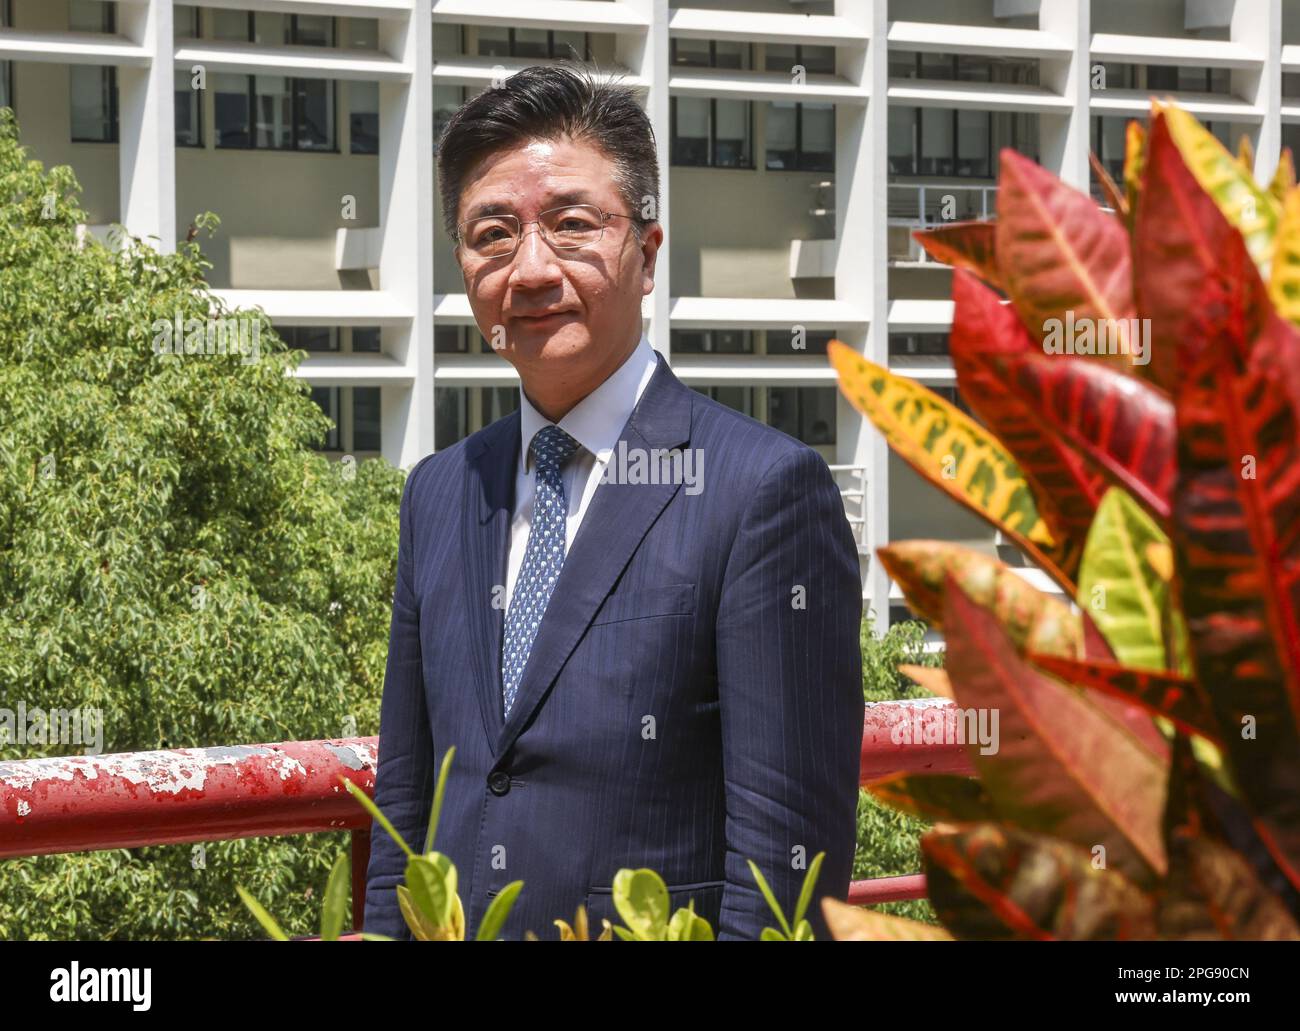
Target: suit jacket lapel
{"points": [[617, 519], [488, 507]]}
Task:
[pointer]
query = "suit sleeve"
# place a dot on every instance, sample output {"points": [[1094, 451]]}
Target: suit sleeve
{"points": [[405, 773], [790, 693]]}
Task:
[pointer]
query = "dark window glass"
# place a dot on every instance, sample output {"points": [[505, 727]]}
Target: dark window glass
{"points": [[231, 110], [712, 341], [814, 341], [1162, 77], [328, 400], [806, 413], [497, 402], [449, 340], [740, 399], [365, 419], [93, 90], [310, 338], [918, 344], [189, 112], [450, 422], [363, 117], [314, 114], [365, 339]]}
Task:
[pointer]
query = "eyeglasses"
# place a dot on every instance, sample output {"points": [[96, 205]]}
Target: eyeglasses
{"points": [[566, 228]]}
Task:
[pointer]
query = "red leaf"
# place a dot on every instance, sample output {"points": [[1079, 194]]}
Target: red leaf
{"points": [[964, 245]]}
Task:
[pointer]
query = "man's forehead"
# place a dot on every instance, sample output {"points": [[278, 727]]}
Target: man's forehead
{"points": [[550, 172]]}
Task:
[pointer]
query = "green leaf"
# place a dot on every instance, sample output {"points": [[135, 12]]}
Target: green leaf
{"points": [[641, 898], [439, 790], [334, 911], [1127, 596], [495, 917], [263, 917], [368, 803], [775, 906], [809, 883], [431, 881]]}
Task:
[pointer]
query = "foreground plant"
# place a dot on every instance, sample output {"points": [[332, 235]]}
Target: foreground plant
{"points": [[433, 910], [1146, 783]]}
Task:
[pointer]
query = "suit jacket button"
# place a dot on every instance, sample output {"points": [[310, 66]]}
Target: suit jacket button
{"points": [[499, 782]]}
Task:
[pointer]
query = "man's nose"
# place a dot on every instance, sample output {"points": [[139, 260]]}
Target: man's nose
{"points": [[535, 261]]}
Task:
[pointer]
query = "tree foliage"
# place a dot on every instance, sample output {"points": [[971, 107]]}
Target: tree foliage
{"points": [[172, 552]]}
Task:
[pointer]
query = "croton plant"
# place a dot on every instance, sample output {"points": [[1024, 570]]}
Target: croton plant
{"points": [[1147, 779]]}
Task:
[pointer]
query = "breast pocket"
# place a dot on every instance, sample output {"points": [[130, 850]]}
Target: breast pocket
{"points": [[668, 600]]}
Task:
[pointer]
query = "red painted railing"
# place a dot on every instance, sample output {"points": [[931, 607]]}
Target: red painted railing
{"points": [[185, 795]]}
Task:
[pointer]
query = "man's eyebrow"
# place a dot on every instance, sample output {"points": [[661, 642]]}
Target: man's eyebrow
{"points": [[555, 201]]}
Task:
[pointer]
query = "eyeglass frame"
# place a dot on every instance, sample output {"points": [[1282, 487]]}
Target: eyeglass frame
{"points": [[604, 217]]}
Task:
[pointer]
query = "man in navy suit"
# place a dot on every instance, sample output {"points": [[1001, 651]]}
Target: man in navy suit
{"points": [[633, 611]]}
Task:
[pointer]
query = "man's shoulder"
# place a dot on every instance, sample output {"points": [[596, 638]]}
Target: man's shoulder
{"points": [[433, 473], [750, 448]]}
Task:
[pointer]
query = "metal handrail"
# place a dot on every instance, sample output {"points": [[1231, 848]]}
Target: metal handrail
{"points": [[186, 795]]}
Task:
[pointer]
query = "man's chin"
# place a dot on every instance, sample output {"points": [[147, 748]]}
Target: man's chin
{"points": [[550, 340]]}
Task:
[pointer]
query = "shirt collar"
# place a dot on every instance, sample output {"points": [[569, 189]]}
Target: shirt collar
{"points": [[596, 422]]}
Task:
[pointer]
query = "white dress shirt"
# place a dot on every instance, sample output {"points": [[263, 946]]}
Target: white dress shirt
{"points": [[596, 422]]}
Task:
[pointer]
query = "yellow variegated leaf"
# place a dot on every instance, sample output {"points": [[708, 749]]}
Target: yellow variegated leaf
{"points": [[1283, 178], [1135, 159], [851, 923], [1246, 154], [950, 449], [1284, 282], [1243, 202]]}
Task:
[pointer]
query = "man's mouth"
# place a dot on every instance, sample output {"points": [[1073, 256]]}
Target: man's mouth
{"points": [[543, 318]]}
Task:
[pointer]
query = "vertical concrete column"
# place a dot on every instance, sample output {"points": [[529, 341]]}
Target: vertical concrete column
{"points": [[1257, 25], [146, 119], [1065, 136], [647, 56], [406, 229], [862, 265]]}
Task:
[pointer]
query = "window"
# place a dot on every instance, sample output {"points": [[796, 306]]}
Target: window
{"points": [[366, 340], [446, 101], [814, 341], [92, 88], [785, 57], [361, 430], [739, 398], [363, 117], [274, 112], [941, 142], [712, 341], [805, 413], [1108, 135], [496, 41], [1189, 80], [450, 416], [708, 131], [310, 338], [189, 111], [800, 137], [365, 419], [328, 400], [185, 22], [916, 345]]}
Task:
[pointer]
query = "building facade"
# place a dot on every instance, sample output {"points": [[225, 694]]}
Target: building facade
{"points": [[801, 141]]}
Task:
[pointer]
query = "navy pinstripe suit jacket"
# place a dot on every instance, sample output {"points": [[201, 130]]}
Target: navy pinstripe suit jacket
{"points": [[693, 697]]}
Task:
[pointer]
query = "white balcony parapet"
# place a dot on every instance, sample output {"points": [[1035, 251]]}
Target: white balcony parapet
{"points": [[71, 48], [353, 370], [930, 370], [1164, 50], [388, 9], [323, 62], [1290, 114], [1137, 104], [909, 315], [812, 259], [764, 27], [977, 96], [747, 85], [929, 37], [321, 307], [357, 249], [582, 15], [481, 72], [469, 370], [763, 313], [1291, 58]]}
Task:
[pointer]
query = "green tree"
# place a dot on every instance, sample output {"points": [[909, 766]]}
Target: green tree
{"points": [[173, 553]]}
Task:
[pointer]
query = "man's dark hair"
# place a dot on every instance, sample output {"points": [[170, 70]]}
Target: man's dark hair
{"points": [[549, 103]]}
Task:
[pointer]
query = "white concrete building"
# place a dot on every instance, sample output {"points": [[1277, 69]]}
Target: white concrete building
{"points": [[800, 142]]}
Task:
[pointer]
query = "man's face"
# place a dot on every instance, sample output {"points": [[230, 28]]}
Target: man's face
{"points": [[576, 313]]}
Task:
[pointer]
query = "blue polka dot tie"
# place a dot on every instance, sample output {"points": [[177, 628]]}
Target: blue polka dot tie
{"points": [[543, 557]]}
